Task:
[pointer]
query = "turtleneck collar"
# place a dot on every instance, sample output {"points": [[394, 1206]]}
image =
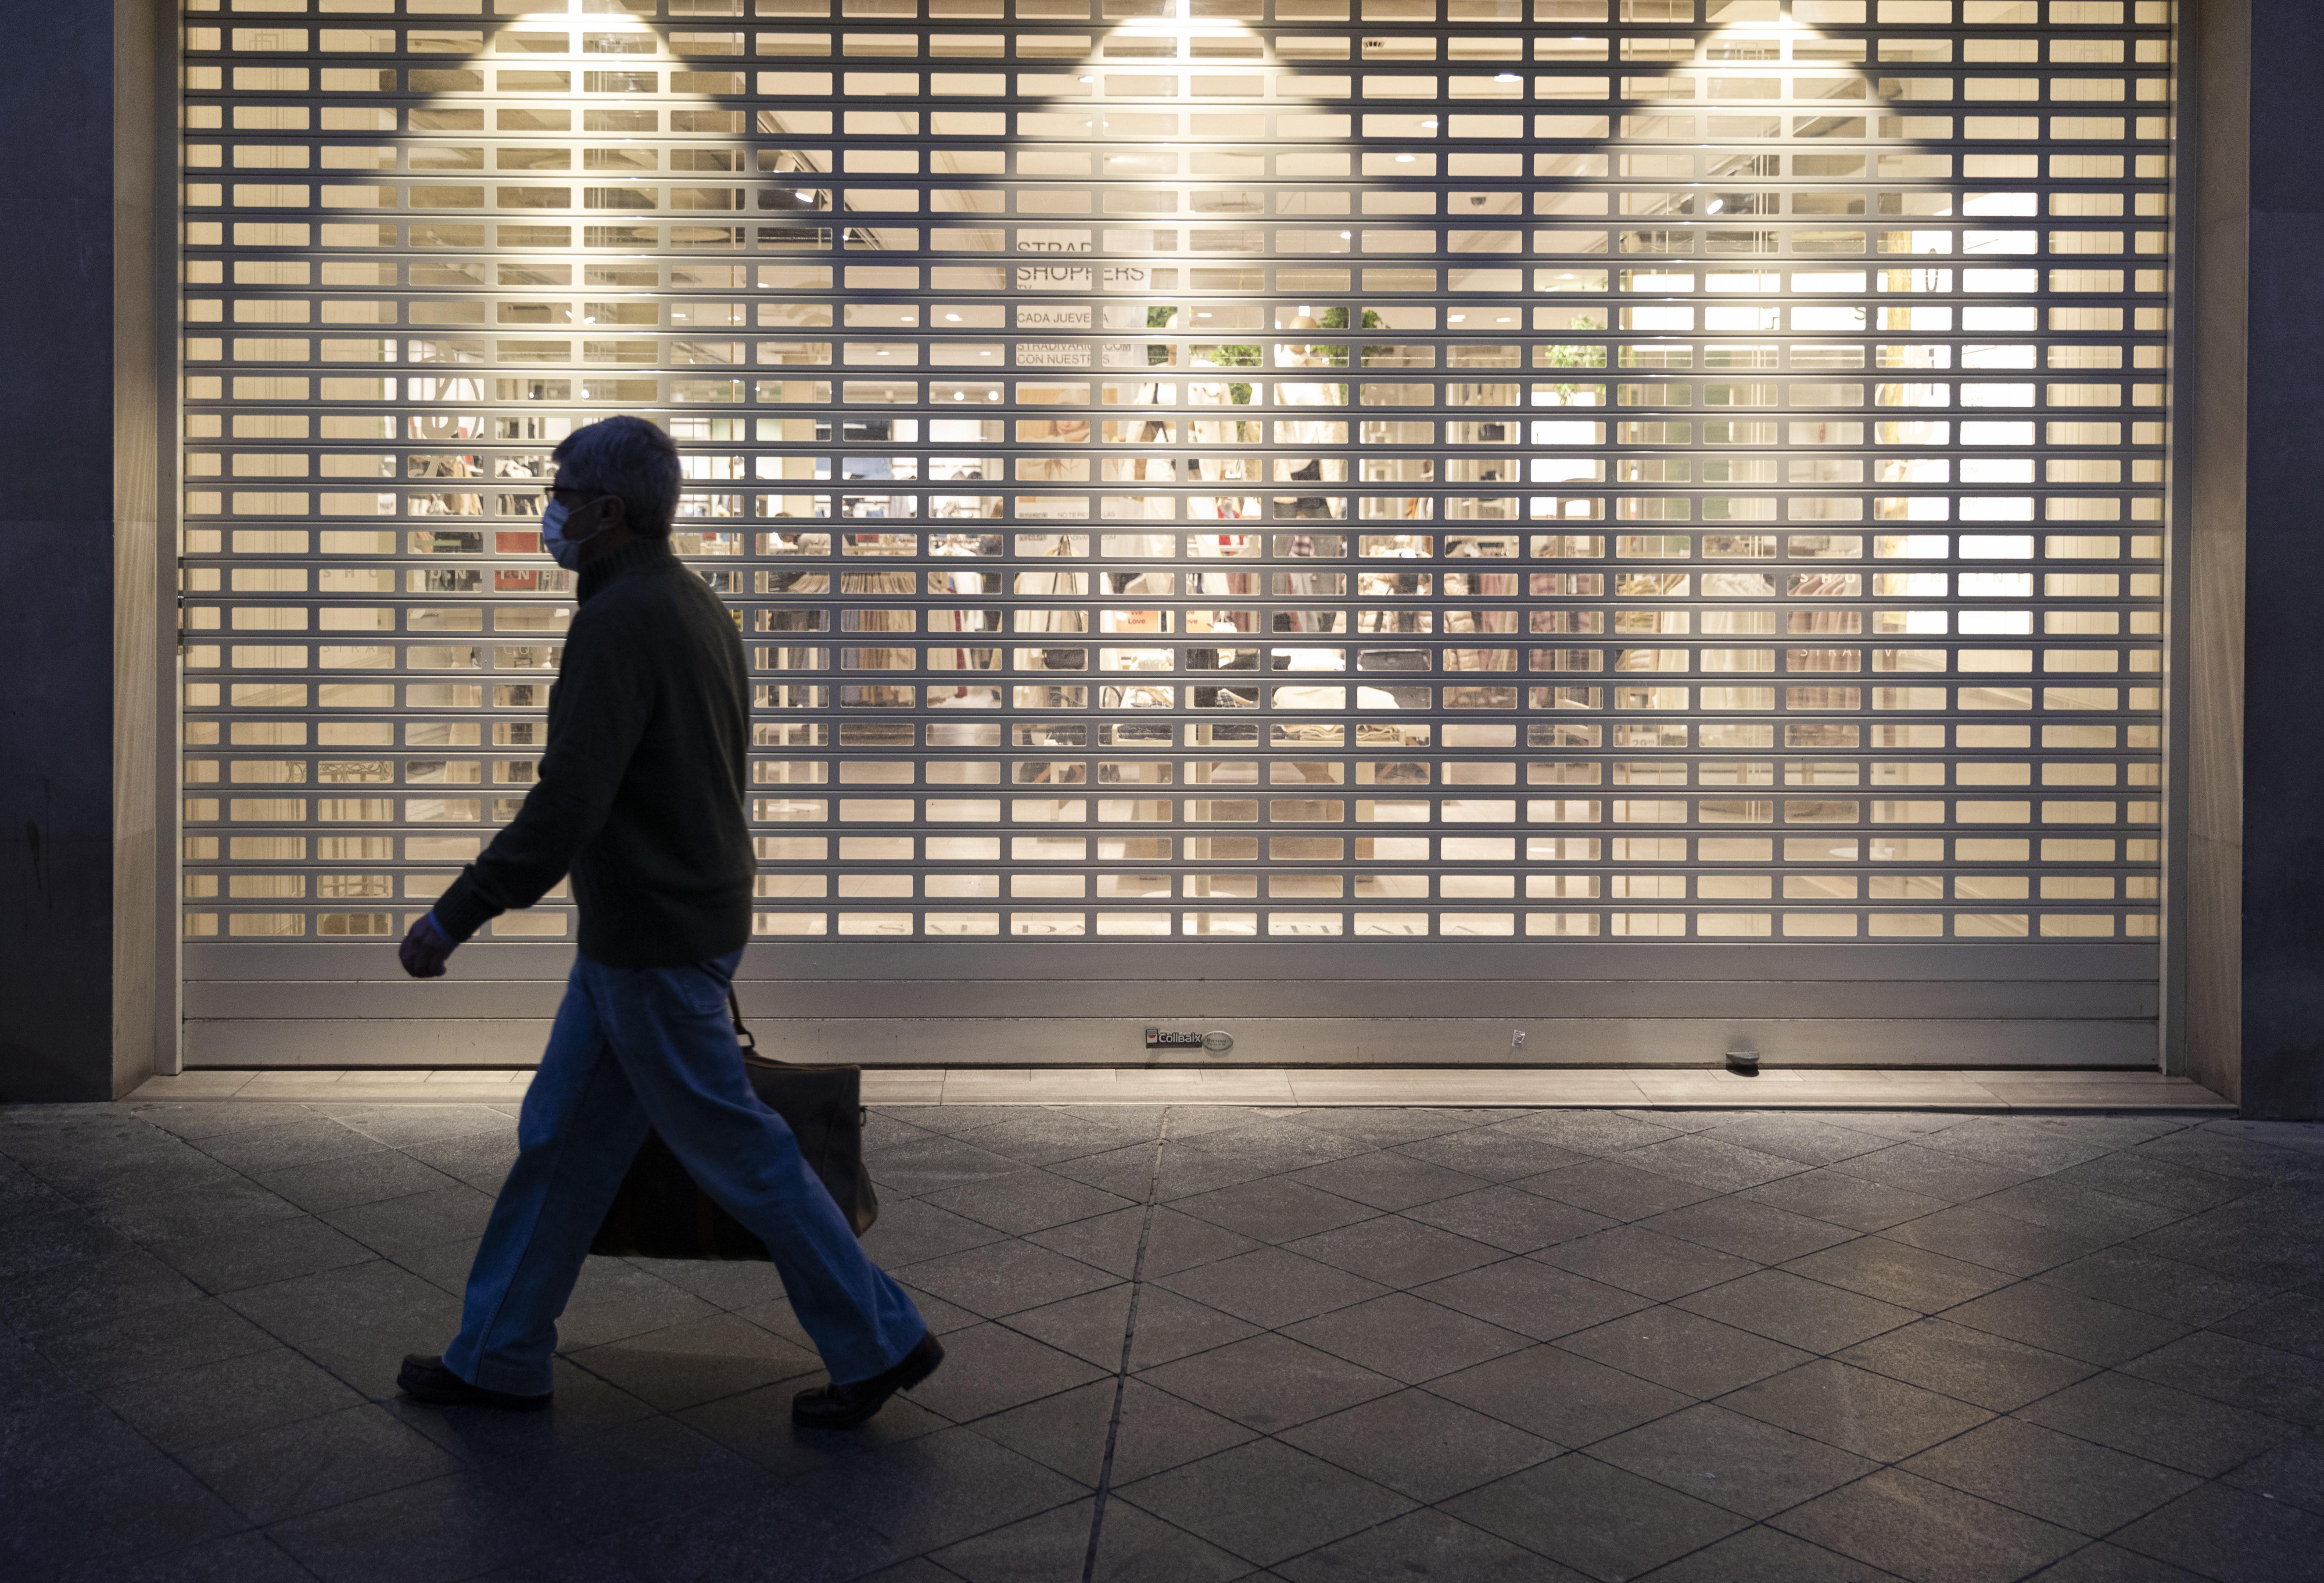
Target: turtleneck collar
{"points": [[632, 559]]}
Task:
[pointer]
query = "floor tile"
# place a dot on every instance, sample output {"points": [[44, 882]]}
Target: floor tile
{"points": [[1616, 1190], [1003, 1278], [1272, 1286], [1891, 1272], [936, 1489], [990, 1368], [1395, 1251], [934, 1164], [757, 1426], [415, 1221], [1831, 1195], [1106, 1242], [1275, 1210], [1763, 1555], [614, 1301], [2059, 1478], [2109, 1563], [480, 1158], [2164, 1287], [2057, 1320], [400, 1126], [1533, 1299], [310, 1306], [1803, 1139], [2163, 1425], [64, 1438], [1269, 1383], [149, 1342], [1178, 1241], [2293, 1471], [1589, 1132], [1934, 1174], [1039, 1136], [106, 1517], [1748, 1230], [1562, 1397], [237, 1395], [1067, 1432], [1420, 1445], [1171, 1327], [275, 1474], [1869, 1414], [773, 1537], [2230, 1534], [1683, 1351], [2293, 1322], [1386, 1179], [2034, 1145], [1711, 1163], [1594, 1517], [299, 1139], [241, 1558], [102, 1177], [260, 1256], [2148, 1180], [1405, 1338], [1026, 1201], [362, 1178], [1978, 1235], [1054, 1545], [69, 1297], [1186, 1172], [1928, 1533], [449, 1526], [1506, 1219], [2064, 1206], [2265, 1238], [1796, 1311], [1740, 1463], [1425, 1544], [1495, 1153], [1384, 1126], [1265, 1501], [26, 1377], [698, 1361], [910, 1230], [623, 1476], [1991, 1371], [2242, 1374], [234, 1205], [1645, 1261]]}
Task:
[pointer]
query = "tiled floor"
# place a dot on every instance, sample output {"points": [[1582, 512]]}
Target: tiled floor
{"points": [[1199, 1342]]}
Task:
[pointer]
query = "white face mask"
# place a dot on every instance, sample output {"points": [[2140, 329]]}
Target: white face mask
{"points": [[565, 551]]}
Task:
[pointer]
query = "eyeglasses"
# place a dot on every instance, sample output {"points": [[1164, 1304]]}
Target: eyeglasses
{"points": [[570, 496]]}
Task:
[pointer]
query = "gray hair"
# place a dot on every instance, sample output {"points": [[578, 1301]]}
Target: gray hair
{"points": [[629, 458]]}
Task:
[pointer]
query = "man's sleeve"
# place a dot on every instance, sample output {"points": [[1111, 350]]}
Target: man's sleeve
{"points": [[602, 709]]}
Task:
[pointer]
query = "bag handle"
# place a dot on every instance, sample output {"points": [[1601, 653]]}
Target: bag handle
{"points": [[742, 1034]]}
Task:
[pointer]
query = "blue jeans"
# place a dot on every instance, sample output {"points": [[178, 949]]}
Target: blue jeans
{"points": [[634, 1048]]}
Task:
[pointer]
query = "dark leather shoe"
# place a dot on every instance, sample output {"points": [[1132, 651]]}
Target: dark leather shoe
{"points": [[426, 1379], [846, 1406]]}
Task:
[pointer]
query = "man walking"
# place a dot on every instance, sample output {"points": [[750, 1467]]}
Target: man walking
{"points": [[640, 798]]}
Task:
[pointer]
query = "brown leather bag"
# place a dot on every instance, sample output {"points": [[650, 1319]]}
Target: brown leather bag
{"points": [[660, 1214]]}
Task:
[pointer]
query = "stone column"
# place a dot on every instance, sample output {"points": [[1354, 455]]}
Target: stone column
{"points": [[87, 983], [2247, 766]]}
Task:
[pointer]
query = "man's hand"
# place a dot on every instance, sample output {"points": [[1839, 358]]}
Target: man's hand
{"points": [[425, 950]]}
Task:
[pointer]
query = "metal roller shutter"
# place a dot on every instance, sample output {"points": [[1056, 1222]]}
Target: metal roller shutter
{"points": [[1504, 474]]}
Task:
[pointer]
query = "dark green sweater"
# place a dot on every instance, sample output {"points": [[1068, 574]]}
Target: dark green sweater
{"points": [[640, 790]]}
